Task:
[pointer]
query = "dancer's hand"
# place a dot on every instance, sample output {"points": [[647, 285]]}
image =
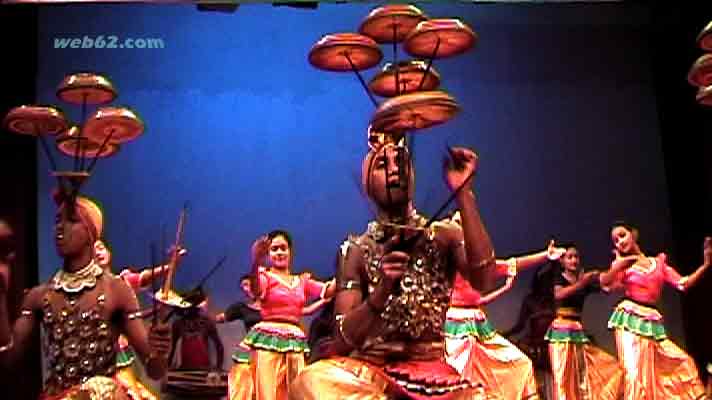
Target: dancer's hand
{"points": [[590, 276], [625, 259], [260, 249], [461, 165], [553, 252]]}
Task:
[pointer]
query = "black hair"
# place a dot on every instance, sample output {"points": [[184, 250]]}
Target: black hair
{"points": [[628, 226], [567, 245], [623, 224], [281, 232]]}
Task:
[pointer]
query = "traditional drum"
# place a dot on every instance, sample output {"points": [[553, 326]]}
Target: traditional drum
{"points": [[196, 383]]}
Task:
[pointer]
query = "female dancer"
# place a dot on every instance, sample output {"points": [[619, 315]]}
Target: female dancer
{"points": [[580, 371], [476, 350], [278, 341], [653, 366], [240, 380]]}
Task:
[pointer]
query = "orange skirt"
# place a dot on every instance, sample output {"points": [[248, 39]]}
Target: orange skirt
{"points": [[486, 357], [579, 370], [241, 382], [656, 370]]}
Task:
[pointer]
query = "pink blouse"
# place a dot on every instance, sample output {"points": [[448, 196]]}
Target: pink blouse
{"points": [[283, 300], [464, 295], [645, 284]]}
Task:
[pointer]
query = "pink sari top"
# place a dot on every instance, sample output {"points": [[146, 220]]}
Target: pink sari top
{"points": [[283, 299], [645, 284]]}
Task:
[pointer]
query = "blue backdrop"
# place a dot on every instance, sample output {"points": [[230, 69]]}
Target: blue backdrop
{"points": [[557, 99]]}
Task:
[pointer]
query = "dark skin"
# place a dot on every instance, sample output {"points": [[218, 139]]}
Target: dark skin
{"points": [[74, 244], [206, 328], [393, 202]]}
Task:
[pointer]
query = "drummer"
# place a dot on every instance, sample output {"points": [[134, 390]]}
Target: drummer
{"points": [[195, 330]]}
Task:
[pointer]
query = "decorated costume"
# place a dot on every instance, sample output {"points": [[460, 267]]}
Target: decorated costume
{"points": [[278, 341], [80, 345], [580, 370], [479, 353], [654, 367], [405, 355]]}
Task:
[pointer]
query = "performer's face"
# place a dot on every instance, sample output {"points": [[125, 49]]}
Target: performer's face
{"points": [[385, 186], [279, 252], [623, 240], [71, 235], [570, 260], [102, 255]]}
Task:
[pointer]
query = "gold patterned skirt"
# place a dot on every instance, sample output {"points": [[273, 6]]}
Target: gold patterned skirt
{"points": [[96, 388]]}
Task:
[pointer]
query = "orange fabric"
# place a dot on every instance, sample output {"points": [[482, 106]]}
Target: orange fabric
{"points": [[581, 371], [504, 370], [136, 390], [656, 370], [342, 378], [240, 382], [274, 373]]}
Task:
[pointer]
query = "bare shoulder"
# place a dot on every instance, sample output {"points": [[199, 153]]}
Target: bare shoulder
{"points": [[124, 297]]}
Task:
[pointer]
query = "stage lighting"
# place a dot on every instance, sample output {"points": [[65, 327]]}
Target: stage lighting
{"points": [[298, 4], [225, 6]]}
